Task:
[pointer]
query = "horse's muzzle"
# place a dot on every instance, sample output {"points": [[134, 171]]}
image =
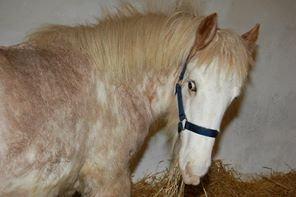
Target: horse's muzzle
{"points": [[189, 177]]}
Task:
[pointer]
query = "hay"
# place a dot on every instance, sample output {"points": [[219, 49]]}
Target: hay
{"points": [[168, 183], [220, 181]]}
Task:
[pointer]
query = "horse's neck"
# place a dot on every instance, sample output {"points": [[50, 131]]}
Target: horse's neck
{"points": [[143, 64], [152, 97], [130, 112], [140, 97]]}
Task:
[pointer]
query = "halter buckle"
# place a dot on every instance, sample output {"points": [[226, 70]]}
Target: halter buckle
{"points": [[181, 125]]}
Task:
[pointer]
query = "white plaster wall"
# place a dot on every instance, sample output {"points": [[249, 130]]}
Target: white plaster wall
{"points": [[20, 17], [263, 134]]}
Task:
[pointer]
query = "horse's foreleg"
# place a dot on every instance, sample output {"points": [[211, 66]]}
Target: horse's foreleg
{"points": [[119, 186], [105, 183]]}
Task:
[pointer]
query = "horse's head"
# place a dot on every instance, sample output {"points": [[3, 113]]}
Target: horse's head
{"points": [[214, 76]]}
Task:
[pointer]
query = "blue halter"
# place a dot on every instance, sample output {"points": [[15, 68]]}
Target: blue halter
{"points": [[183, 123]]}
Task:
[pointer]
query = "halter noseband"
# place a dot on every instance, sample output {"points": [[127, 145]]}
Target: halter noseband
{"points": [[183, 123]]}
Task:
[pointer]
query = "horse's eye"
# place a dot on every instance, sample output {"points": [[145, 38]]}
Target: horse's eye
{"points": [[191, 86]]}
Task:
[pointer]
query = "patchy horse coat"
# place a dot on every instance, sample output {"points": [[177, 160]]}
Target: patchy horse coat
{"points": [[52, 131], [46, 117], [74, 105]]}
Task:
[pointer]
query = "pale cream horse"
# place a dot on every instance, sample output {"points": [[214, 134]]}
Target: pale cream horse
{"points": [[77, 102]]}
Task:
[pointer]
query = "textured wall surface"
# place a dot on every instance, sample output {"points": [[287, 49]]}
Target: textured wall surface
{"points": [[260, 130]]}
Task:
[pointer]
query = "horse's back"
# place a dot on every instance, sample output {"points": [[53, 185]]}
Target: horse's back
{"points": [[43, 119]]}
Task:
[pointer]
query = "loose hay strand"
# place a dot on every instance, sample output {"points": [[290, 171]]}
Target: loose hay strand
{"points": [[222, 180]]}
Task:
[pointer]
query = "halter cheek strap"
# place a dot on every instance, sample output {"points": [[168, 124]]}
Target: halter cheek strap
{"points": [[183, 123]]}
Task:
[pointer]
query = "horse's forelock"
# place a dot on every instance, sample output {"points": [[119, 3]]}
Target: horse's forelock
{"points": [[232, 56]]}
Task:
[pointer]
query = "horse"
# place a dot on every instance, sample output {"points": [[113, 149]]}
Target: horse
{"points": [[76, 102]]}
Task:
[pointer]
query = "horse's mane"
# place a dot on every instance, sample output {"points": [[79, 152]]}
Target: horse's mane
{"points": [[118, 43]]}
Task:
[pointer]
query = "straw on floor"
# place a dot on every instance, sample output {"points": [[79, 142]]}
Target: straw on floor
{"points": [[220, 181]]}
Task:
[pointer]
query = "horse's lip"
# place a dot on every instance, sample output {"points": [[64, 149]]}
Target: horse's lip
{"points": [[191, 180]]}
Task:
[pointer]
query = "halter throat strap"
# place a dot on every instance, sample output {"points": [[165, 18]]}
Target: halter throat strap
{"points": [[183, 122]]}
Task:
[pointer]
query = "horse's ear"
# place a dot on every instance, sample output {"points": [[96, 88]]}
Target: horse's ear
{"points": [[206, 31], [251, 36]]}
